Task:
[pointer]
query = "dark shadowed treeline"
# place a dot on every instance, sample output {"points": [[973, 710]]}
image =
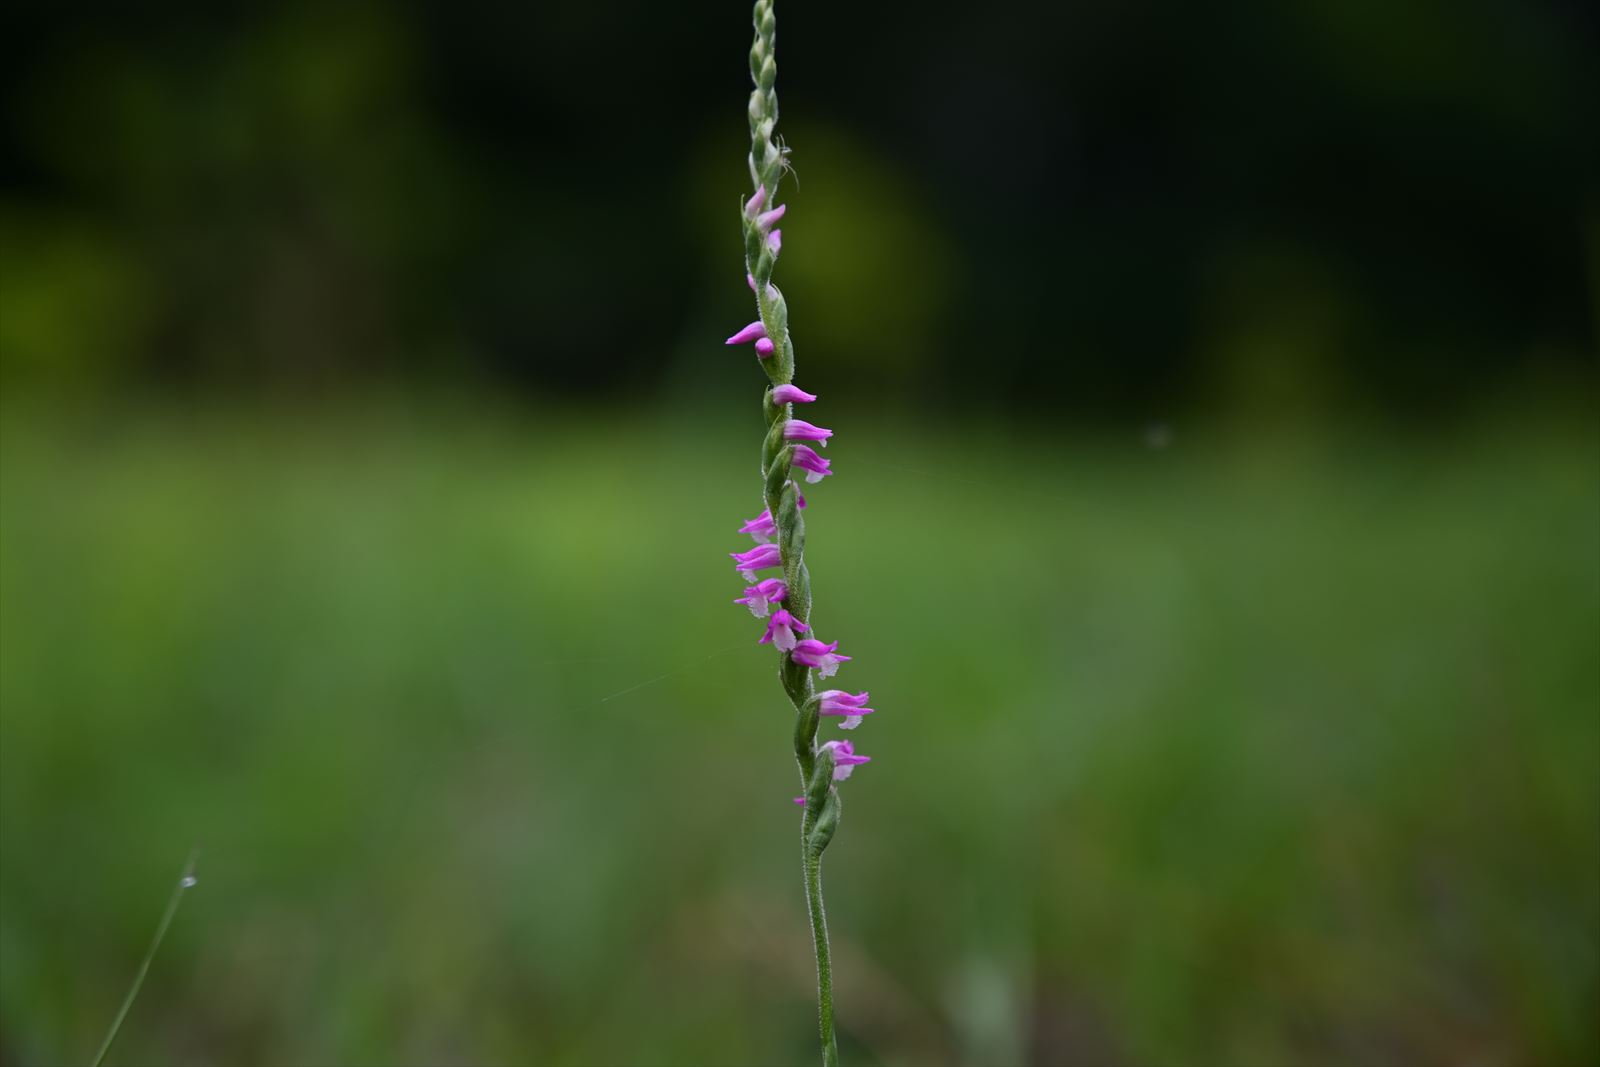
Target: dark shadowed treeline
{"points": [[1124, 207]]}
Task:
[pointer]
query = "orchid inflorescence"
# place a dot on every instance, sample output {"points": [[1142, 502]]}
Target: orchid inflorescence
{"points": [[784, 602], [779, 543]]}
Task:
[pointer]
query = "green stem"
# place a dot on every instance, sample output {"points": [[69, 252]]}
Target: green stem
{"points": [[819, 937], [185, 880]]}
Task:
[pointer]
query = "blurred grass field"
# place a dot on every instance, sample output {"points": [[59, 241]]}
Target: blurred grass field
{"points": [[1246, 750]]}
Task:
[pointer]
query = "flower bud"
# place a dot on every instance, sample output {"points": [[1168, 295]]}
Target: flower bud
{"points": [[754, 205], [749, 333]]}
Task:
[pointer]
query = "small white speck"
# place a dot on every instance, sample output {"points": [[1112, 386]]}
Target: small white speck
{"points": [[188, 881]]}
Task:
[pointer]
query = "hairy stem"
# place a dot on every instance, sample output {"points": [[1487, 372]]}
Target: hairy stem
{"points": [[819, 937]]}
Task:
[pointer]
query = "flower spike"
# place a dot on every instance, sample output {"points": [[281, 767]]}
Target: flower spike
{"points": [[788, 461]]}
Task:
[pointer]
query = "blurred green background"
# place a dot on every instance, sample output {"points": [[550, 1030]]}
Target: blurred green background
{"points": [[1217, 528]]}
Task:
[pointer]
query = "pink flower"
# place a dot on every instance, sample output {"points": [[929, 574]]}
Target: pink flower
{"points": [[762, 528], [845, 759], [759, 558], [781, 630], [764, 347], [838, 702], [765, 220], [800, 430], [791, 394], [775, 242], [815, 466], [749, 333], [812, 653], [760, 596]]}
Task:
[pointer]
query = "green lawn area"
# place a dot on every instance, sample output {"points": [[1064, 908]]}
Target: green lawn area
{"points": [[1254, 749]]}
